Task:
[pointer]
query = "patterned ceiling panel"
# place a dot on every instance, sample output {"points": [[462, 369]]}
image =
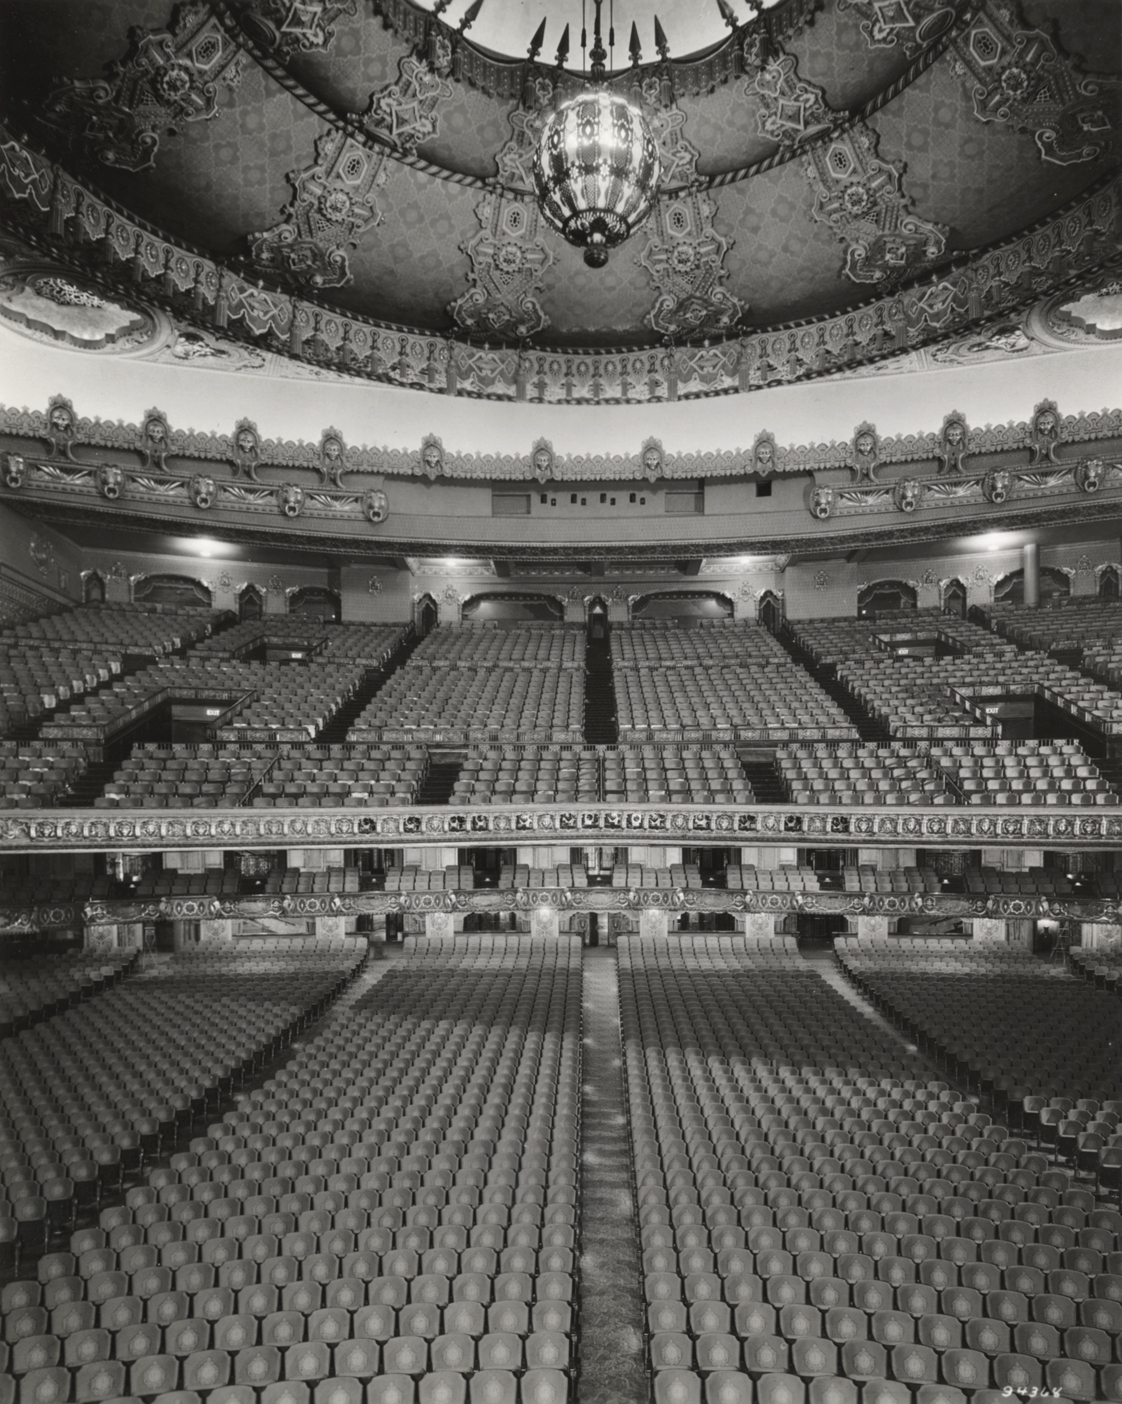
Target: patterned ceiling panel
{"points": [[362, 56], [723, 127], [210, 148], [782, 263], [834, 54], [222, 180], [410, 265], [982, 179]]}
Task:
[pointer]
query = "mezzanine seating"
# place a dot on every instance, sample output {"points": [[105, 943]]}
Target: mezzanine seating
{"points": [[160, 777], [537, 775], [356, 775], [676, 775], [861, 774]]}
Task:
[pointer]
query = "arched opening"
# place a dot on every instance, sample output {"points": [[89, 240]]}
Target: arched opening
{"points": [[597, 618], [251, 605], [954, 598], [315, 602], [885, 597], [1109, 584], [425, 615], [93, 588], [1054, 586], [683, 606], [178, 590], [769, 611], [511, 608]]}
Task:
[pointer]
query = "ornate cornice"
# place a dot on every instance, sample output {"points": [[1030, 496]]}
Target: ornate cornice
{"points": [[934, 906], [78, 830], [167, 458], [55, 213]]}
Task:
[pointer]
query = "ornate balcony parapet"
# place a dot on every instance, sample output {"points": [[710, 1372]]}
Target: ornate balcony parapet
{"points": [[146, 830], [933, 906]]}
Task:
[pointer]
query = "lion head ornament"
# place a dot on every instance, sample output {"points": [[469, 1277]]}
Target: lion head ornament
{"points": [[375, 506], [290, 499]]}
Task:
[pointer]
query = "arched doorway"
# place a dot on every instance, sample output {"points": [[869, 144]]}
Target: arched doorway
{"points": [[597, 618], [93, 588], [1108, 583], [769, 611], [954, 598], [251, 605], [425, 615]]}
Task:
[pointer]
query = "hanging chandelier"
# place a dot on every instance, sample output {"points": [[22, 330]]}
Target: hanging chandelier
{"points": [[596, 167]]}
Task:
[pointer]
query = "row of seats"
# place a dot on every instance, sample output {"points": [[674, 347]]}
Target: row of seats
{"points": [[36, 774], [394, 1210], [41, 986], [351, 774], [675, 774], [1031, 773], [458, 701], [91, 1093], [211, 776], [410, 878], [998, 1017], [527, 646], [818, 1217], [535, 774], [869, 775]]}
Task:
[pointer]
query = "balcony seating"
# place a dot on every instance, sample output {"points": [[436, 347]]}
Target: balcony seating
{"points": [[861, 774], [529, 645], [676, 775], [533, 775], [786, 877], [564, 875], [183, 777], [410, 878], [1034, 772], [734, 675], [356, 775], [455, 701], [36, 774]]}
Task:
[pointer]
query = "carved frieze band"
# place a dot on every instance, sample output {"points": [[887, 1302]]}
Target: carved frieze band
{"points": [[170, 459], [938, 906], [52, 830], [55, 208]]}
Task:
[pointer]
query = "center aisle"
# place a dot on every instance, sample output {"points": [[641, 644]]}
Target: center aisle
{"points": [[612, 1351]]}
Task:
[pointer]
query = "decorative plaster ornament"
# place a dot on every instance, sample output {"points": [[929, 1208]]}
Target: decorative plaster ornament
{"points": [[1091, 474], [202, 491], [166, 79], [821, 581], [907, 494], [541, 460], [110, 480], [653, 459], [332, 457], [866, 453], [246, 449], [997, 485], [290, 499], [822, 502], [1044, 433], [304, 26], [375, 506], [14, 470], [953, 444], [432, 457]]}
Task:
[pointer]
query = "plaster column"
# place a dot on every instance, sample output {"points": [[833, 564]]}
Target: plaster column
{"points": [[1030, 555]]}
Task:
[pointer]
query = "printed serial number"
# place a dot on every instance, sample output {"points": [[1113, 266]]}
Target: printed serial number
{"points": [[1036, 1392]]}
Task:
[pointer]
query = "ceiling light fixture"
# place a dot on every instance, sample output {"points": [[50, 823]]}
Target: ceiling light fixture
{"points": [[596, 168]]}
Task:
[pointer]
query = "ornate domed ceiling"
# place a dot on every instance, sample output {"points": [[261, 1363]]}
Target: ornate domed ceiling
{"points": [[347, 182]]}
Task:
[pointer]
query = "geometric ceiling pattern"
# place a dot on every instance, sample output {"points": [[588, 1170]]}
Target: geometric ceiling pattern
{"points": [[346, 183]]}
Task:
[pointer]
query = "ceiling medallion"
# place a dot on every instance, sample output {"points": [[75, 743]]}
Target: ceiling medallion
{"points": [[596, 168]]}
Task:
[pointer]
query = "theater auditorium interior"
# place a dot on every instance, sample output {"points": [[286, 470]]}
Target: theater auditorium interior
{"points": [[560, 701]]}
